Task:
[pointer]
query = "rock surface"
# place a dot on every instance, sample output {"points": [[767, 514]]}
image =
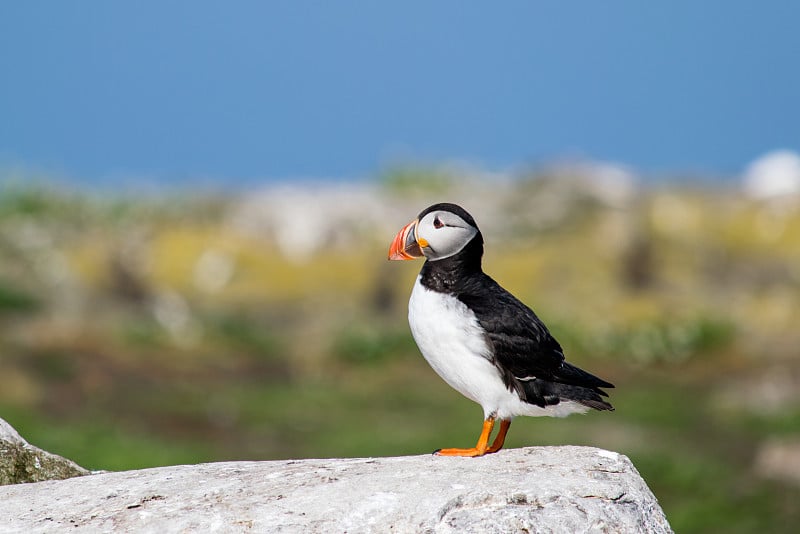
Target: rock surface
{"points": [[538, 489], [22, 462]]}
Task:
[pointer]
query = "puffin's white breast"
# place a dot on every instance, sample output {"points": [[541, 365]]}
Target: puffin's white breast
{"points": [[451, 340]]}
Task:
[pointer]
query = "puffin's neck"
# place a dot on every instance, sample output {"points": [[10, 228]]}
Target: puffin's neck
{"points": [[449, 275]]}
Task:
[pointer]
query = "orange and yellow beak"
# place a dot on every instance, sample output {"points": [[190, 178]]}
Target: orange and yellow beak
{"points": [[405, 245]]}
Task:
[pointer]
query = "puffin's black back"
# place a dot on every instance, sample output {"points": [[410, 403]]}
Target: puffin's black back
{"points": [[530, 360]]}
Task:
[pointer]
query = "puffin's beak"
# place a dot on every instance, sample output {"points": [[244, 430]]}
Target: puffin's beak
{"points": [[405, 246]]}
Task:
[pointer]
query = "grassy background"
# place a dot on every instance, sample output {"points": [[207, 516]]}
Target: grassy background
{"points": [[114, 351]]}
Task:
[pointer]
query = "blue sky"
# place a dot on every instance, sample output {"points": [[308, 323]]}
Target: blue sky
{"points": [[244, 91]]}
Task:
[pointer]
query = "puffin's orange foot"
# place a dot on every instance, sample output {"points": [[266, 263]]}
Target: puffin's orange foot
{"points": [[482, 447], [474, 451]]}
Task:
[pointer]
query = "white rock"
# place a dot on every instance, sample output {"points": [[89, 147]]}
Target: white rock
{"points": [[539, 489], [9, 433]]}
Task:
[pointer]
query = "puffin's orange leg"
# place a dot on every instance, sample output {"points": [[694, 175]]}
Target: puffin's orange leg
{"points": [[479, 449], [500, 438]]}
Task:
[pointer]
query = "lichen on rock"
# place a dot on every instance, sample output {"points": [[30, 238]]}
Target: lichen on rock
{"points": [[22, 462]]}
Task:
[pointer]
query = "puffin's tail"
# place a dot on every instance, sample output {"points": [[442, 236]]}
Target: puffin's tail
{"points": [[582, 387], [569, 383], [588, 396], [575, 376], [546, 393]]}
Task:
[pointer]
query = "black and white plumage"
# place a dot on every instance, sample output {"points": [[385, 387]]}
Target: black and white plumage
{"points": [[478, 337]]}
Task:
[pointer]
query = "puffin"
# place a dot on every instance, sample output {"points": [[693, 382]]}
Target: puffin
{"points": [[479, 338]]}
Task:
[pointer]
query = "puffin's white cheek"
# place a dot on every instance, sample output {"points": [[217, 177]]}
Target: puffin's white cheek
{"points": [[449, 241]]}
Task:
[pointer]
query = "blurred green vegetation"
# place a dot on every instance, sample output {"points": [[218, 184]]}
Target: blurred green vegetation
{"points": [[154, 330]]}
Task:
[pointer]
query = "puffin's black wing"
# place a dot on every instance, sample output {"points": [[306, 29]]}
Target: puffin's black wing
{"points": [[530, 360]]}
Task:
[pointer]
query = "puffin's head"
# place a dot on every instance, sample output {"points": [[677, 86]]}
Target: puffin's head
{"points": [[439, 232]]}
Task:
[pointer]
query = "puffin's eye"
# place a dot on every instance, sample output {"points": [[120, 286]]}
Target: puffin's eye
{"points": [[437, 223]]}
